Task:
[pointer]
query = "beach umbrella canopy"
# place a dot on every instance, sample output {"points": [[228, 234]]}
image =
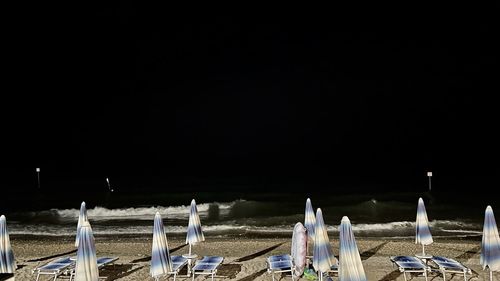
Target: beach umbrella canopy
{"points": [[490, 245], [310, 219], [7, 262], [423, 234], [86, 261], [194, 232], [81, 218], [161, 262], [299, 248], [323, 257], [350, 266]]}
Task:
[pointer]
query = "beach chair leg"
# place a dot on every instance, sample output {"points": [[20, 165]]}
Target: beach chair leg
{"points": [[55, 277], [37, 276], [404, 275], [444, 275], [272, 274]]}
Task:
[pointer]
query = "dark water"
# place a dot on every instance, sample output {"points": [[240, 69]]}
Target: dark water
{"points": [[387, 214]]}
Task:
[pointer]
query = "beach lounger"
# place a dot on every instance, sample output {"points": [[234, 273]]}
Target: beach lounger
{"points": [[207, 266], [447, 265], [178, 262], [56, 267], [410, 264], [101, 262], [280, 264]]}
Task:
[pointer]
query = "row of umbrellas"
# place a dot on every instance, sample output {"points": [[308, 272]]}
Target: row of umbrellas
{"points": [[350, 266], [349, 263], [490, 244]]}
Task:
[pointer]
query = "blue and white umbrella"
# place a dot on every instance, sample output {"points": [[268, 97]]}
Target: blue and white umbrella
{"points": [[81, 218], [490, 245], [309, 222], [323, 257], [7, 262], [161, 262], [350, 266], [423, 233], [310, 219], [194, 232], [86, 261]]}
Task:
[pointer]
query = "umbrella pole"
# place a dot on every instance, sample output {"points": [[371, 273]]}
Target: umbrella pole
{"points": [[190, 249], [491, 275], [423, 250]]}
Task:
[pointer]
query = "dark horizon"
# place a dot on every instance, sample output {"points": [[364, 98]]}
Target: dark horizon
{"points": [[172, 103]]}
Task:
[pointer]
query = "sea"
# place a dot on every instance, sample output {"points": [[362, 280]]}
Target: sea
{"points": [[251, 214]]}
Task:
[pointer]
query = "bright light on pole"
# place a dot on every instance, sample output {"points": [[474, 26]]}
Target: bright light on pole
{"points": [[38, 176], [429, 174]]}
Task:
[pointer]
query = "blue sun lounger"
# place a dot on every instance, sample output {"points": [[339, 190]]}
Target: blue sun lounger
{"points": [[56, 267], [207, 266], [447, 265], [410, 264], [101, 262], [178, 262], [280, 264]]}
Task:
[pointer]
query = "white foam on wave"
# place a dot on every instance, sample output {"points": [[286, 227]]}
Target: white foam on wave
{"points": [[390, 229], [142, 213]]}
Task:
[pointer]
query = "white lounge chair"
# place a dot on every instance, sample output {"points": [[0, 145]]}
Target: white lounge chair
{"points": [[410, 264], [56, 267], [447, 265], [280, 264], [207, 266]]}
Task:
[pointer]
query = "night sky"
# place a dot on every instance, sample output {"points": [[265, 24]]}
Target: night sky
{"points": [[198, 102]]}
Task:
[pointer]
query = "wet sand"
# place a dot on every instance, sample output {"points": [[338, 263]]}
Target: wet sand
{"points": [[244, 259]]}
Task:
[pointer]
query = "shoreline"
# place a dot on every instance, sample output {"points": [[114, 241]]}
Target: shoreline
{"points": [[244, 258]]}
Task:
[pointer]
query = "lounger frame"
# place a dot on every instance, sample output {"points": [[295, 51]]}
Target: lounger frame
{"points": [[447, 265], [62, 269], [275, 260], [211, 263], [410, 264]]}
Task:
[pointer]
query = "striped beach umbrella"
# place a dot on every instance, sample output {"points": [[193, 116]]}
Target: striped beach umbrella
{"points": [[161, 262], [299, 248], [423, 233], [490, 245], [323, 257], [194, 232], [86, 261], [309, 222], [350, 266], [7, 262], [81, 218], [310, 219]]}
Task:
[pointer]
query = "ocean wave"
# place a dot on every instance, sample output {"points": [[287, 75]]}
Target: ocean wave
{"points": [[143, 213], [391, 229]]}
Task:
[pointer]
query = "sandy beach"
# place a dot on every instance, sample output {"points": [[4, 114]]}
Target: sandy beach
{"points": [[244, 258]]}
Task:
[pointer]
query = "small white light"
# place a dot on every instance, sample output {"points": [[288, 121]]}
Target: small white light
{"points": [[38, 170]]}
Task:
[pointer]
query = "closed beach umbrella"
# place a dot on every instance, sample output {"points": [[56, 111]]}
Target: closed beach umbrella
{"points": [[86, 262], [81, 218], [490, 245], [7, 262], [423, 234], [161, 262], [310, 219], [194, 232], [299, 247], [323, 257], [350, 266], [309, 223]]}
